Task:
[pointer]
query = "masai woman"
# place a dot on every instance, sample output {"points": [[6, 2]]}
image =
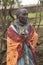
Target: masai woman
{"points": [[21, 41]]}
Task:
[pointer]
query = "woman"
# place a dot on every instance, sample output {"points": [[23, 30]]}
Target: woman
{"points": [[21, 41]]}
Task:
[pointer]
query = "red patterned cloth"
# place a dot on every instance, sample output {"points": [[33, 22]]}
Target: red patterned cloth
{"points": [[17, 42]]}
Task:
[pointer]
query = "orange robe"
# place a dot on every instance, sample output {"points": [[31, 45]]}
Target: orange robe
{"points": [[15, 45]]}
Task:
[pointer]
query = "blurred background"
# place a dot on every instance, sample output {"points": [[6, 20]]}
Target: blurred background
{"points": [[7, 16]]}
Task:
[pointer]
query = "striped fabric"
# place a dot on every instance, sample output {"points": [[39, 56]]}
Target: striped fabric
{"points": [[27, 59]]}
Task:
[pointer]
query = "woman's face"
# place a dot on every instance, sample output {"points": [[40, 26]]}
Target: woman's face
{"points": [[23, 18], [23, 15]]}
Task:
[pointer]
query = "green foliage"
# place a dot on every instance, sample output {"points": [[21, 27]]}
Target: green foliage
{"points": [[41, 14], [9, 17], [33, 15], [6, 2], [41, 2], [10, 2]]}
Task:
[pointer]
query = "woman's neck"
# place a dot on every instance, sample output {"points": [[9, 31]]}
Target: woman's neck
{"points": [[21, 23]]}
